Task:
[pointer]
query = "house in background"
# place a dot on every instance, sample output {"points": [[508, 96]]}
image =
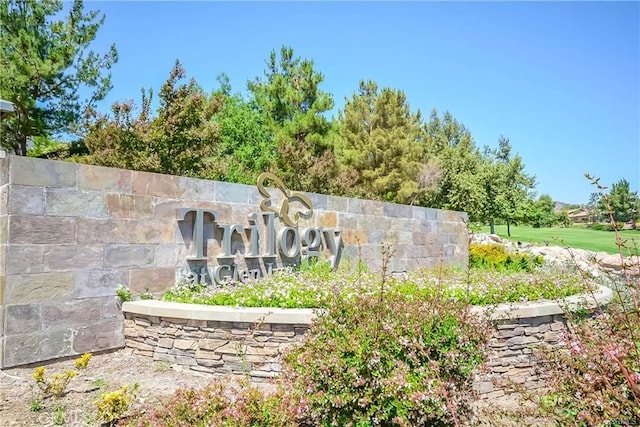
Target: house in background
{"points": [[579, 216]]}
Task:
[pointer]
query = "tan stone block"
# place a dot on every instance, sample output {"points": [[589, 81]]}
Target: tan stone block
{"points": [[29, 288], [73, 257], [165, 342], [211, 344], [98, 337], [182, 344], [70, 202], [152, 280], [327, 219], [2, 291], [129, 206], [207, 355], [106, 179], [155, 184], [263, 351]]}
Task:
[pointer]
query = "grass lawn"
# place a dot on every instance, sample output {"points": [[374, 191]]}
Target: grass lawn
{"points": [[573, 237]]}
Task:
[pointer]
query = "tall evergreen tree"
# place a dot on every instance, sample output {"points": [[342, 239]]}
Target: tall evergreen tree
{"points": [[44, 63], [290, 95], [380, 142]]}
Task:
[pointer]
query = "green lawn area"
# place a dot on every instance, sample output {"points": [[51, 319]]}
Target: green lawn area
{"points": [[573, 237]]}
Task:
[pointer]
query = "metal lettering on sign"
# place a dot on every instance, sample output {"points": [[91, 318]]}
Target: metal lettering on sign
{"points": [[289, 196]]}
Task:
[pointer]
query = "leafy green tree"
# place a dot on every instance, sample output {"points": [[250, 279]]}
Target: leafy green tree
{"points": [[380, 141], [291, 97], [542, 212], [246, 146], [181, 140], [623, 202], [45, 63], [511, 185], [461, 185]]}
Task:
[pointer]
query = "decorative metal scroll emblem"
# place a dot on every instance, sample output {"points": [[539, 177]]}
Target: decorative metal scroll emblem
{"points": [[289, 197]]}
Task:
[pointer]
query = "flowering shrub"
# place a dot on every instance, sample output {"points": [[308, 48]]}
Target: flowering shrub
{"points": [[388, 359], [56, 385], [594, 375], [222, 404], [311, 289]]}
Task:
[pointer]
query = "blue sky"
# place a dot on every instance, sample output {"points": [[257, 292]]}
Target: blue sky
{"points": [[561, 80]]}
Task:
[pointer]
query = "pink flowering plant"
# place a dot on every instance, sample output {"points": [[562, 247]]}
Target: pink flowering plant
{"points": [[389, 359], [593, 377]]}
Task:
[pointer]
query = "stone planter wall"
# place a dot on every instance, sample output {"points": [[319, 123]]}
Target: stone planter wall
{"points": [[241, 341]]}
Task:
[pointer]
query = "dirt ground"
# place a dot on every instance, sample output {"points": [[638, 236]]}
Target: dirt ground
{"points": [[106, 372]]}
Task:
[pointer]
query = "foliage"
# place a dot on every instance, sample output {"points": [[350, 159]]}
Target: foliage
{"points": [[317, 288], [542, 212], [113, 405], [507, 185], [388, 359], [461, 185], [246, 146], [56, 385], [593, 376], [123, 293], [181, 140], [221, 404], [624, 204], [380, 144], [45, 65], [83, 361], [290, 96], [495, 257]]}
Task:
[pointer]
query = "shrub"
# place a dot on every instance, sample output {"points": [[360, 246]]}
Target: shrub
{"points": [[495, 257], [388, 359], [222, 404], [113, 405], [593, 377]]}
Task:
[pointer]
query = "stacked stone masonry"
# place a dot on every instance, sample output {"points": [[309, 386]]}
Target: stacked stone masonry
{"points": [[71, 233], [256, 348], [215, 347], [511, 360]]}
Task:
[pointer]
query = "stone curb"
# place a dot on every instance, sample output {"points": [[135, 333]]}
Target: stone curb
{"points": [[600, 297], [301, 316], [296, 316]]}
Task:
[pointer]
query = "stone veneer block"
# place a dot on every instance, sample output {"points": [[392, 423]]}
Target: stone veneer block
{"points": [[128, 206], [73, 257], [3, 281], [99, 283], [31, 288], [319, 201], [337, 203], [155, 184], [152, 231], [22, 319], [44, 173], [4, 170], [197, 189], [128, 256], [103, 230], [41, 229], [70, 314], [24, 259], [103, 336], [153, 280], [397, 211], [37, 347], [66, 202], [232, 193], [4, 220], [104, 179], [26, 200]]}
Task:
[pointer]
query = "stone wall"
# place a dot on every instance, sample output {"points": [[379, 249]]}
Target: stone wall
{"points": [[71, 233], [252, 340]]}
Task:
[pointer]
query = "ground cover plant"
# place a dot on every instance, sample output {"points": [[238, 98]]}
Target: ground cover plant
{"points": [[315, 287], [573, 237]]}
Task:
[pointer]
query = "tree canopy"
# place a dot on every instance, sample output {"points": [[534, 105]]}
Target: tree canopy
{"points": [[44, 64]]}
